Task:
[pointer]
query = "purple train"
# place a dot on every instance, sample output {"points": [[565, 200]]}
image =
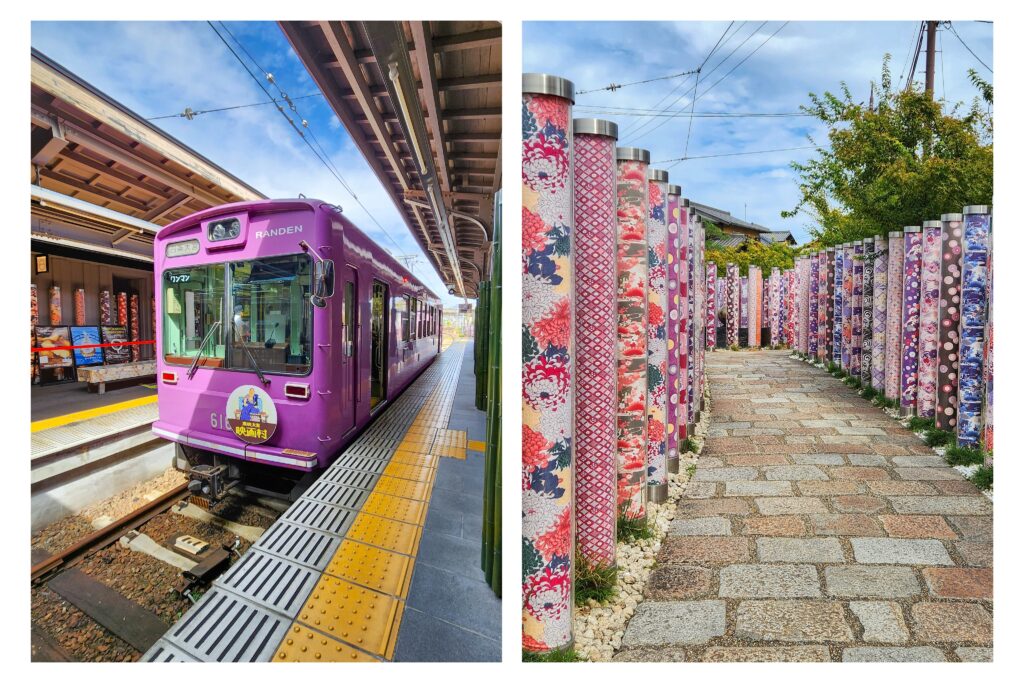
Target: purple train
{"points": [[282, 330]]}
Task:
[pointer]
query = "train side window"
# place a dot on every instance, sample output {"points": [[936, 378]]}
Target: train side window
{"points": [[405, 318], [348, 314]]}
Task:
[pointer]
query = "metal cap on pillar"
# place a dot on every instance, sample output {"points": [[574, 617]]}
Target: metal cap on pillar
{"points": [[911, 229], [608, 129], [932, 224], [947, 217], [895, 233], [976, 209], [546, 84], [657, 175], [676, 190], [632, 154]]}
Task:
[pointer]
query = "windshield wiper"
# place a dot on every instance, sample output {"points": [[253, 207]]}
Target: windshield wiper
{"points": [[202, 345], [255, 365]]}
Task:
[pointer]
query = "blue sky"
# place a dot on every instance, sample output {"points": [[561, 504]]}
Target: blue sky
{"points": [[159, 68], [803, 57]]}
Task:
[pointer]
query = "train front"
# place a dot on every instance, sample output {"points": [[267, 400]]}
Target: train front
{"points": [[243, 321]]}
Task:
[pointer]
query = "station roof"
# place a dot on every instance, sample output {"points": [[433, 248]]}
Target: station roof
{"points": [[91, 148], [422, 102]]}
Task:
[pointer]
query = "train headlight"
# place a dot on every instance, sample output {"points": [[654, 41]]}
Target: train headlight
{"points": [[219, 231]]}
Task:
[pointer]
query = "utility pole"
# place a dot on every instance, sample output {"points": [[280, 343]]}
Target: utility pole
{"points": [[929, 65]]}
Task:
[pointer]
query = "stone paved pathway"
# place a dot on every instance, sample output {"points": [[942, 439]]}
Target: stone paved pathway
{"points": [[816, 528]]}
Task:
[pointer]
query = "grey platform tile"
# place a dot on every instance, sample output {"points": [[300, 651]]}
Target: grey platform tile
{"points": [[455, 599], [163, 652], [459, 479], [453, 553], [444, 521], [424, 638], [223, 627]]}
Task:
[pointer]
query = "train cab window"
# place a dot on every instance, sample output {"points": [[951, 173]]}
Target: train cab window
{"points": [[193, 315], [348, 319]]}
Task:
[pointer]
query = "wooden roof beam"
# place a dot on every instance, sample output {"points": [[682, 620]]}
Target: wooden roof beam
{"points": [[468, 41], [472, 114]]}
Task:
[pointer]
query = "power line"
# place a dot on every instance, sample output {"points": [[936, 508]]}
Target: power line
{"points": [[190, 113], [615, 86], [291, 122], [949, 25], [752, 53], [736, 154], [916, 41], [627, 111]]}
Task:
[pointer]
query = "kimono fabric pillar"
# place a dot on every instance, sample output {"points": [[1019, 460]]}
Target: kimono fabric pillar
{"points": [[711, 274], [631, 316], [911, 318], [548, 354], [657, 328], [791, 307], [106, 314], [894, 317], [857, 307], [812, 306], [675, 263], [33, 321], [753, 307], [830, 303], [837, 306], [774, 296], [732, 305], [949, 321], [867, 305], [880, 286], [702, 297], [973, 312], [56, 310], [804, 276], [593, 148], [134, 325], [692, 250], [743, 306], [928, 337], [79, 306], [847, 352], [988, 417]]}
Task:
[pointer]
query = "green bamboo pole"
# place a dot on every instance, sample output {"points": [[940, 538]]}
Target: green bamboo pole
{"points": [[480, 340], [492, 516]]}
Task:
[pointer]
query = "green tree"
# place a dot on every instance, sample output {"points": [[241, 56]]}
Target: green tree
{"points": [[899, 163], [753, 252]]}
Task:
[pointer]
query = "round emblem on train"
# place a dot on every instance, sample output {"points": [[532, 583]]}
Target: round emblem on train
{"points": [[251, 414]]}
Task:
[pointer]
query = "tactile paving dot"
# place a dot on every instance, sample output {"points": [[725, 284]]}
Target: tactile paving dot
{"points": [[374, 568], [303, 644], [385, 533], [411, 472], [415, 459], [357, 615], [403, 509], [403, 488]]}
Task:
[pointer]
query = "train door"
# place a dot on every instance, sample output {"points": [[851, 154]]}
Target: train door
{"points": [[378, 344], [349, 348]]}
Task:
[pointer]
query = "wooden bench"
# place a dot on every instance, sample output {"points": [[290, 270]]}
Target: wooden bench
{"points": [[101, 374]]}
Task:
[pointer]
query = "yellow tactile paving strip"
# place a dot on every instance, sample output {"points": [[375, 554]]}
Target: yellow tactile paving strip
{"points": [[355, 610], [61, 420]]}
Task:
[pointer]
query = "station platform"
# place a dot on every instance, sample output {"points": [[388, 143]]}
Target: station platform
{"points": [[378, 560]]}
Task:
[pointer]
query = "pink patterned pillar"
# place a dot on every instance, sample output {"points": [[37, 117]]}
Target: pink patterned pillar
{"points": [[928, 339], [657, 351], [56, 309], [753, 307], [879, 315], [894, 316], [711, 313], [732, 315], [547, 365], [596, 338], [911, 318], [631, 417], [79, 306], [949, 321], [774, 300], [675, 412]]}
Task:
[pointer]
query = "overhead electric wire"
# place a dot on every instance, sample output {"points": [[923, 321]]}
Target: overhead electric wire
{"points": [[322, 160], [949, 25], [736, 154], [634, 130], [630, 111], [190, 114], [916, 41], [616, 86]]}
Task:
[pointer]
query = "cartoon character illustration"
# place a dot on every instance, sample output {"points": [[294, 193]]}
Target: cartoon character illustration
{"points": [[250, 407]]}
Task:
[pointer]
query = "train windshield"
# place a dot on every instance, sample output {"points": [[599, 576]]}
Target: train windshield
{"points": [[262, 306]]}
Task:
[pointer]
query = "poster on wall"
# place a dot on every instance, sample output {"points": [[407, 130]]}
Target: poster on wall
{"points": [[85, 336], [49, 337], [118, 336]]}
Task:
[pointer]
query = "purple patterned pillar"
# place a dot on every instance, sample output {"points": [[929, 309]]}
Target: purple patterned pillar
{"points": [[698, 320], [847, 351], [632, 209], [732, 295], [867, 306], [711, 314], [743, 303], [911, 318], [547, 370], [691, 290], [988, 431], [894, 316], [812, 308], [836, 273], [804, 304], [593, 147], [774, 299], [790, 282], [823, 304], [878, 315], [857, 308], [973, 313], [676, 262], [928, 337], [949, 321], [657, 351]]}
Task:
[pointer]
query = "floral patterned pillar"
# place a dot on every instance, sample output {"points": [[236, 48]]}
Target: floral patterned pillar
{"points": [[631, 420], [911, 318], [894, 316], [847, 311], [774, 299], [593, 147], [812, 306], [122, 308], [879, 315], [803, 304], [857, 308], [133, 328], [690, 303], [79, 306], [928, 337], [867, 311], [948, 364], [791, 307], [732, 295], [989, 415], [675, 414], [106, 312], [657, 351], [837, 305], [33, 321], [548, 352], [743, 304], [823, 304], [830, 304], [973, 313], [711, 275], [753, 307]]}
